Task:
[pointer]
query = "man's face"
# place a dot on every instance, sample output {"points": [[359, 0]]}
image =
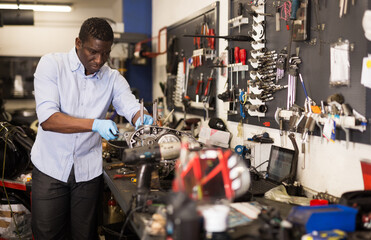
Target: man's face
{"points": [[93, 53]]}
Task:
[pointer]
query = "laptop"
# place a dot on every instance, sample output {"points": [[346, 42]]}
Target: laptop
{"points": [[282, 165]]}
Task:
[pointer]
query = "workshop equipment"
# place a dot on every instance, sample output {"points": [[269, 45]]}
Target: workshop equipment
{"points": [[16, 147], [360, 200], [145, 158], [211, 174]]}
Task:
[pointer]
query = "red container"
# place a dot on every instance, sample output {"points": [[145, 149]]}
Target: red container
{"points": [[318, 202], [366, 171]]}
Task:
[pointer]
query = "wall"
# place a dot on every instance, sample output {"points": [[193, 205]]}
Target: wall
{"points": [[54, 32], [138, 17], [325, 167]]}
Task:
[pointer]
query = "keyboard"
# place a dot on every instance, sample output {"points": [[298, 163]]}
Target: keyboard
{"points": [[261, 186]]}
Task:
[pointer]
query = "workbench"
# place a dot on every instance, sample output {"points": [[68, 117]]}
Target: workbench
{"points": [[123, 189]]}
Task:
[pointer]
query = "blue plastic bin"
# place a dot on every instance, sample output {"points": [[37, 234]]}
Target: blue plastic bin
{"points": [[324, 218]]}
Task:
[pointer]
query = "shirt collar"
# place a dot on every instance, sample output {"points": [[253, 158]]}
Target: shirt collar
{"points": [[74, 60], [75, 64]]}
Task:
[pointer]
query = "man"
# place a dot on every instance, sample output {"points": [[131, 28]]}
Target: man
{"points": [[73, 92]]}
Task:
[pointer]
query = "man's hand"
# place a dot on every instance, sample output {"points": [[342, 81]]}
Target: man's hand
{"points": [[148, 120], [106, 128]]}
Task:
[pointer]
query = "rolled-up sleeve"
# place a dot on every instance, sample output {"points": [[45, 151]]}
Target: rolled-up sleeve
{"points": [[46, 88], [124, 100]]}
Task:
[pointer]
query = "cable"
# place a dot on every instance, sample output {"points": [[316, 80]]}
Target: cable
{"points": [[2, 179], [261, 164], [128, 215], [255, 169]]}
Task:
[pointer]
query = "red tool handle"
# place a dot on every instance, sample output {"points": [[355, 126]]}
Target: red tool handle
{"points": [[198, 86], [236, 54], [243, 56], [212, 40], [207, 87]]}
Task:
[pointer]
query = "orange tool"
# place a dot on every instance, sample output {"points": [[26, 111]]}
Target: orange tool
{"points": [[117, 176]]}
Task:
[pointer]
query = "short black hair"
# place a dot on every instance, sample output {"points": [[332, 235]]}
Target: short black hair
{"points": [[97, 28]]}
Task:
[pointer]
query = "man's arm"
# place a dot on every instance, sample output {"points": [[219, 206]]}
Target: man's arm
{"points": [[62, 123]]}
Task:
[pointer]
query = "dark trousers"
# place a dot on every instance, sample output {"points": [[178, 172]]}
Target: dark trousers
{"points": [[65, 210]]}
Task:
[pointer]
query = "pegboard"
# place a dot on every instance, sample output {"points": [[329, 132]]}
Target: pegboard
{"points": [[314, 53], [195, 58]]}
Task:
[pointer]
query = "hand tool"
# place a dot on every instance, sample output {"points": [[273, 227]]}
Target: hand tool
{"points": [[204, 31], [155, 112], [320, 128], [209, 80], [243, 60], [237, 38], [142, 111], [308, 100], [236, 54], [186, 103], [281, 63], [237, 60], [243, 100], [279, 120], [316, 11], [292, 78], [278, 25], [196, 40], [115, 165], [211, 41], [346, 130], [146, 158], [198, 87], [255, 14], [205, 107], [292, 176], [294, 8], [130, 175]]}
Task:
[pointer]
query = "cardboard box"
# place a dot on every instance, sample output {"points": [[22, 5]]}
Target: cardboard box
{"points": [[214, 137]]}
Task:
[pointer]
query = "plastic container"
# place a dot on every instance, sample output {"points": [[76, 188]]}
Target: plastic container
{"points": [[324, 218]]}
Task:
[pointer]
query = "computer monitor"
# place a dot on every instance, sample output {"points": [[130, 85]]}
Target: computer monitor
{"points": [[280, 163]]}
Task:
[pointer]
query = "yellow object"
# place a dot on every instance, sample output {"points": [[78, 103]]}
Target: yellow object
{"points": [[316, 109], [134, 180], [368, 64]]}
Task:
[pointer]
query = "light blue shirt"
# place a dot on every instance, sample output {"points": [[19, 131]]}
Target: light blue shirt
{"points": [[62, 86]]}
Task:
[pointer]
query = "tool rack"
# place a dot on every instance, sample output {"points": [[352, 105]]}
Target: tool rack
{"points": [[309, 56]]}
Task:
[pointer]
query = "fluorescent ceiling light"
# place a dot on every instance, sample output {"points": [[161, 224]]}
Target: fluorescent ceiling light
{"points": [[37, 7]]}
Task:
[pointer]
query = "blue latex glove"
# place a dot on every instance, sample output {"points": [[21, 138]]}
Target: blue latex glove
{"points": [[106, 128], [148, 120]]}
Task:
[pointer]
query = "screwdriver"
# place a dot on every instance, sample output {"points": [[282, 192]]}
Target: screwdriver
{"points": [[243, 59], [237, 60], [207, 91], [198, 87]]}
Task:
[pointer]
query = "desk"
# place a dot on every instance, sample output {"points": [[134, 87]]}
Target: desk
{"points": [[122, 189]]}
